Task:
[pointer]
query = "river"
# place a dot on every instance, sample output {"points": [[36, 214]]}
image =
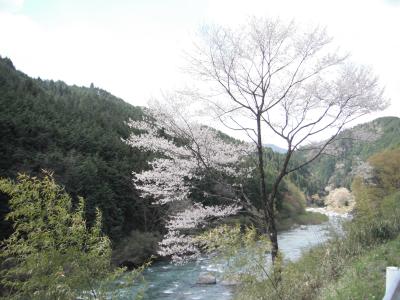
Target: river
{"points": [[170, 282]]}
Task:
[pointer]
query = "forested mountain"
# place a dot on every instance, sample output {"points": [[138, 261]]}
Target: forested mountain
{"points": [[347, 156], [76, 133]]}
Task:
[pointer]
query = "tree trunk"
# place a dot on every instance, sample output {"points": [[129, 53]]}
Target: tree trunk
{"points": [[268, 202], [271, 227], [271, 203]]}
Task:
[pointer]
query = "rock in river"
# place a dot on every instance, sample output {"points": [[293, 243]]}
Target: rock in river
{"points": [[206, 278]]}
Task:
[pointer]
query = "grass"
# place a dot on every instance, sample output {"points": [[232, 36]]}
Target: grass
{"points": [[364, 277]]}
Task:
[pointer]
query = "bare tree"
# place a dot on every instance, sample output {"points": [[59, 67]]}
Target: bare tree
{"points": [[268, 75]]}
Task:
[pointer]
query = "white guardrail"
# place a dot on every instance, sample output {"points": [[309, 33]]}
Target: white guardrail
{"points": [[392, 284]]}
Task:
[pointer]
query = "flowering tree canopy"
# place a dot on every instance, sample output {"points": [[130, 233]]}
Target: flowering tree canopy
{"points": [[186, 152]]}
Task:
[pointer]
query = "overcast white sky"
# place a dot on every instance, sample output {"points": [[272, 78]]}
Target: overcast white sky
{"points": [[134, 49]]}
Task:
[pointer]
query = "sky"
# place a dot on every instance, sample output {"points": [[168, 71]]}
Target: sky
{"points": [[135, 49]]}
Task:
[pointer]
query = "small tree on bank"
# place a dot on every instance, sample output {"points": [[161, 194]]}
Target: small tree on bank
{"points": [[271, 76]]}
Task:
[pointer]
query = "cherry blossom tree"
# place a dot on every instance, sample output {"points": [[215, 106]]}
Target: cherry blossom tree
{"points": [[271, 77], [187, 152]]}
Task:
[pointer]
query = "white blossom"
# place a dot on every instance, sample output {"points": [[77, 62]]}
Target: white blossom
{"points": [[196, 215], [186, 151]]}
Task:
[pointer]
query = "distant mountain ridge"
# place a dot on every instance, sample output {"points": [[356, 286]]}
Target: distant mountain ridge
{"points": [[276, 148]]}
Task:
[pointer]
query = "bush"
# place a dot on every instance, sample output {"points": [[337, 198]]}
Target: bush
{"points": [[52, 254]]}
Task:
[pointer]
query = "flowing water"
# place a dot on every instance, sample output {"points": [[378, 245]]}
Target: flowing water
{"points": [[170, 282]]}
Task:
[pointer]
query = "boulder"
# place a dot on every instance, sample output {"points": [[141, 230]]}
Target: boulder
{"points": [[206, 278]]}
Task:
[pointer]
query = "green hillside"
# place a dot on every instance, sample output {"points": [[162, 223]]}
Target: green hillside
{"points": [[348, 154], [76, 133]]}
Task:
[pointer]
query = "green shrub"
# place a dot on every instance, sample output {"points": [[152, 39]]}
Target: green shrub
{"points": [[52, 254]]}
